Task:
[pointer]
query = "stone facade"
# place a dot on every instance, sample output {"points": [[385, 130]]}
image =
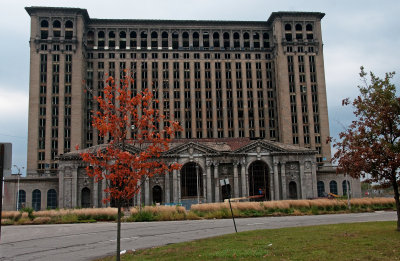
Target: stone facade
{"points": [[258, 84]]}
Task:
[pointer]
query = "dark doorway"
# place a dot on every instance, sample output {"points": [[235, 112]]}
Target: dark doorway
{"points": [[85, 201], [191, 180], [157, 194], [258, 180], [226, 191], [292, 190]]}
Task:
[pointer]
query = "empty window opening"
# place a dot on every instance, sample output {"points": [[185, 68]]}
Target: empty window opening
{"points": [[69, 30]]}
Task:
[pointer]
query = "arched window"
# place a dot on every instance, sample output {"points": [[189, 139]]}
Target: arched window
{"points": [[299, 33], [133, 39], [175, 40], [69, 29], [206, 39], [196, 40], [216, 39], [185, 39], [164, 37], [21, 199], [309, 31], [346, 187], [256, 40], [51, 199], [44, 29], [236, 40], [266, 40], [227, 43], [56, 28], [321, 189], [143, 39], [333, 187], [191, 180], [288, 32], [246, 39], [122, 40], [90, 39], [111, 39], [36, 200], [85, 199], [154, 39], [101, 39]]}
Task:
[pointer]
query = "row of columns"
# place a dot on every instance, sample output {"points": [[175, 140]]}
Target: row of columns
{"points": [[211, 177]]}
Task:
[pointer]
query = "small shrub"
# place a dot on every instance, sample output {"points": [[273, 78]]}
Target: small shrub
{"points": [[41, 220], [29, 211], [7, 221], [143, 216]]}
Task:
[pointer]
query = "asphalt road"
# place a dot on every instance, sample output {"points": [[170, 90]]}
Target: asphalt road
{"points": [[90, 241]]}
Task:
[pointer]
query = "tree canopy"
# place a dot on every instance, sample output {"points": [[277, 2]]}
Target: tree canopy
{"points": [[370, 146]]}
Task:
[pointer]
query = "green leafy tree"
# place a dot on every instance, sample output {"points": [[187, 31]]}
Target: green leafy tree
{"points": [[370, 146]]}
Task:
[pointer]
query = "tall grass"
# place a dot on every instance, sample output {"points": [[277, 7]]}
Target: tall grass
{"points": [[198, 211]]}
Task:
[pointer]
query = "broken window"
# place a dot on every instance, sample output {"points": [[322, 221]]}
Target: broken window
{"points": [[216, 39], [44, 29], [175, 40], [196, 39], [185, 39], [154, 40], [226, 40], [122, 40], [69, 30], [56, 28], [133, 40]]}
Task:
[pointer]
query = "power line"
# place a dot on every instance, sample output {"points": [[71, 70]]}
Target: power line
{"points": [[20, 137]]}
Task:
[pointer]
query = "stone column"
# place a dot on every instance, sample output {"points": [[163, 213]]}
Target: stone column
{"points": [[179, 186], [314, 179], [209, 188], [235, 179], [139, 197], [75, 187], [271, 185], [276, 181], [167, 189], [103, 193], [146, 192], [243, 177], [175, 185], [216, 178], [283, 177], [60, 189], [302, 181], [95, 193]]}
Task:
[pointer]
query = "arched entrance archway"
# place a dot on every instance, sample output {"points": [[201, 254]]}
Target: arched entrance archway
{"points": [[258, 180], [292, 190], [85, 199], [191, 180], [157, 194]]}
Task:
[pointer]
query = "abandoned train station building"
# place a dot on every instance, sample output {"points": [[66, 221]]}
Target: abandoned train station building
{"points": [[250, 96]]}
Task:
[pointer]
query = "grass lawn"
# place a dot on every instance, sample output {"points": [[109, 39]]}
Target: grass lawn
{"points": [[356, 241]]}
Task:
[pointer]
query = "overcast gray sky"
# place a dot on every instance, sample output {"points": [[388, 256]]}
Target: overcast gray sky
{"points": [[355, 33]]}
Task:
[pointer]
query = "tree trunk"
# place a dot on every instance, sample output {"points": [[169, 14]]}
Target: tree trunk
{"points": [[396, 198], [119, 231]]}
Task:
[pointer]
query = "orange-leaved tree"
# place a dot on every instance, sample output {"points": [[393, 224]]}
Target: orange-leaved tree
{"points": [[121, 112], [370, 146]]}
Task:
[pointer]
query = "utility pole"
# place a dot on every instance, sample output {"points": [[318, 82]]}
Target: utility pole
{"points": [[1, 182]]}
